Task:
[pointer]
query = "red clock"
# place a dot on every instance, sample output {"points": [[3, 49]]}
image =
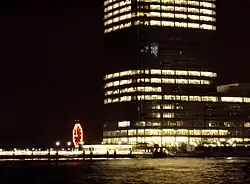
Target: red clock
{"points": [[77, 135]]}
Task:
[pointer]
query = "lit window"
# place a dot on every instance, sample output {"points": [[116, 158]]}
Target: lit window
{"points": [[154, 14], [193, 81], [184, 98], [168, 106], [167, 15], [181, 81], [156, 115], [193, 10], [125, 98], [115, 100], [168, 72], [206, 26], [153, 97], [180, 24], [153, 132], [209, 99], [168, 23], [231, 99], [247, 125], [168, 81], [181, 9], [155, 80], [155, 22], [168, 115], [156, 72], [193, 25], [195, 98], [169, 97], [131, 132], [155, 7], [205, 18], [207, 11], [207, 74], [156, 107], [207, 5], [184, 2], [123, 124], [194, 3], [179, 72], [193, 17], [247, 100], [123, 82]]}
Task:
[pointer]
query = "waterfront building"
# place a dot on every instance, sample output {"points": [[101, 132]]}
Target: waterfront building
{"points": [[160, 78]]}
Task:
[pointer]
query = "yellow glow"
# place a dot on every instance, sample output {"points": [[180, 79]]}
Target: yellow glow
{"points": [[177, 98], [161, 72], [193, 10]]}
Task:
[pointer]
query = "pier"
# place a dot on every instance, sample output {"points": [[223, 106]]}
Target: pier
{"points": [[86, 152]]}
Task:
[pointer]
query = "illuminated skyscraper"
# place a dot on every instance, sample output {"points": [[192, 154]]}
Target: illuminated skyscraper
{"points": [[159, 75]]}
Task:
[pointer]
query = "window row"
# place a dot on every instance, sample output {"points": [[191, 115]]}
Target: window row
{"points": [[117, 27], [182, 124], [181, 24], [162, 24], [141, 132], [206, 4], [175, 140], [178, 141], [133, 89], [175, 98], [177, 15], [183, 9], [116, 5], [157, 81], [120, 11], [160, 72], [160, 15]]}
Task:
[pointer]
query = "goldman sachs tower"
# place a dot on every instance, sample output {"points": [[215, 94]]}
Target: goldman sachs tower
{"points": [[159, 82]]}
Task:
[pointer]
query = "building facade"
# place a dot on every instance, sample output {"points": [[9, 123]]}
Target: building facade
{"points": [[160, 82]]}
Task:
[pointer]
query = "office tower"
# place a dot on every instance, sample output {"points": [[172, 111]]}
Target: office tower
{"points": [[160, 82]]}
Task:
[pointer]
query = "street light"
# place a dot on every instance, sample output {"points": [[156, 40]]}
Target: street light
{"points": [[69, 144], [57, 143]]}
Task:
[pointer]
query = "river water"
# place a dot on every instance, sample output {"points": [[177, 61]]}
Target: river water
{"points": [[129, 171]]}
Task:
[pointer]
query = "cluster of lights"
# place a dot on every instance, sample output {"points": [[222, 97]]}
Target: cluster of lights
{"points": [[165, 132], [161, 72], [119, 15], [179, 98], [96, 149], [155, 81], [177, 140]]}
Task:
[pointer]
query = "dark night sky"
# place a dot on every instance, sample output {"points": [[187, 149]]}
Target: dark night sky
{"points": [[51, 67]]}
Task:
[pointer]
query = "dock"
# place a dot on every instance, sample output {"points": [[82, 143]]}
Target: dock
{"points": [[86, 152]]}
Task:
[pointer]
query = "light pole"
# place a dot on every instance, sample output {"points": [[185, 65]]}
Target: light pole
{"points": [[68, 144], [58, 145]]}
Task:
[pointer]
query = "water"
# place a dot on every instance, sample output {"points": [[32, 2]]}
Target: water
{"points": [[130, 171]]}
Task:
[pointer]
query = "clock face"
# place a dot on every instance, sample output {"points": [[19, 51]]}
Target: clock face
{"points": [[77, 135]]}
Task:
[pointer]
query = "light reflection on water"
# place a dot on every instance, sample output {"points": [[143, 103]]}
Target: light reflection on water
{"points": [[132, 171]]}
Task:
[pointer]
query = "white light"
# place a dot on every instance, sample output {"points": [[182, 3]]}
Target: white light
{"points": [[69, 143], [57, 143], [124, 124]]}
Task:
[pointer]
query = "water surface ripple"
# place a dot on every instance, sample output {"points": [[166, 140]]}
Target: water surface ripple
{"points": [[131, 171]]}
